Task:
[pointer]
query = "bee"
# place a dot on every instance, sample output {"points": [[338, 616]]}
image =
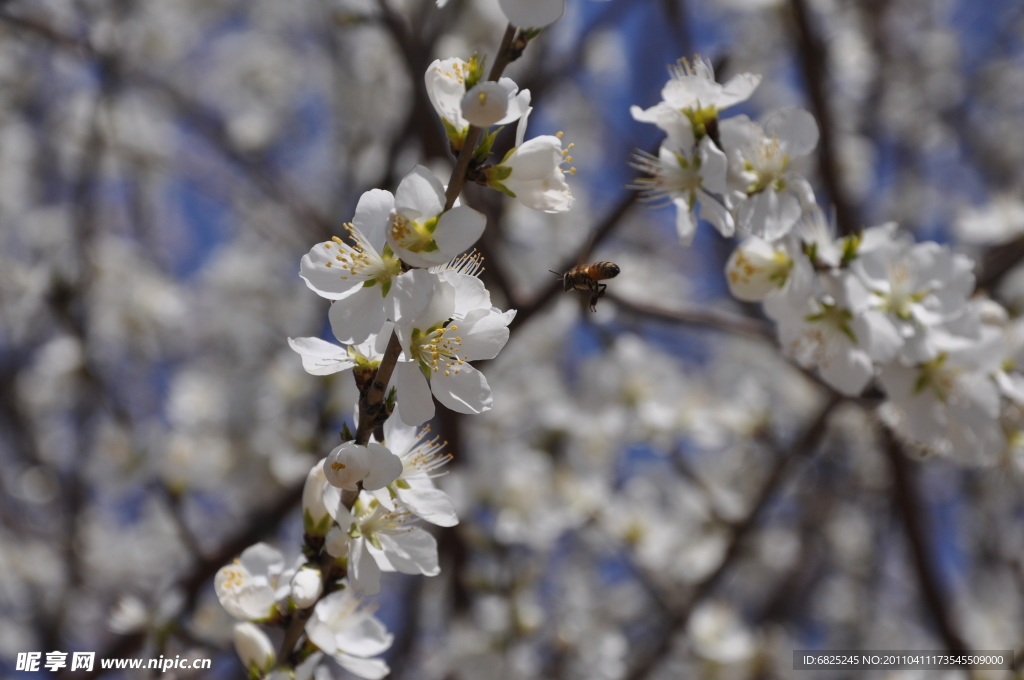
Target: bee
{"points": [[584, 279]]}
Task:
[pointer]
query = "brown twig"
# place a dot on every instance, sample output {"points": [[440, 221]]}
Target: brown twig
{"points": [[813, 59], [908, 500]]}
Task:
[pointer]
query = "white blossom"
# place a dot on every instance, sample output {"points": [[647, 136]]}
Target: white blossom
{"points": [[438, 345], [248, 588], [341, 627], [365, 279], [756, 269], [420, 231], [532, 172], [254, 649], [378, 540], [768, 197], [351, 465]]}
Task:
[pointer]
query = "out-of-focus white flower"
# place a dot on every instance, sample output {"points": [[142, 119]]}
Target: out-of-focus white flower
{"points": [[436, 355], [316, 521], [128, 616], [364, 279], [350, 633], [767, 197], [420, 231], [838, 333], [414, 488], [532, 172], [692, 98], [350, 465], [719, 635], [995, 222], [756, 269], [683, 174], [532, 13], [254, 649], [306, 586], [379, 540], [920, 286], [247, 589], [950, 404]]}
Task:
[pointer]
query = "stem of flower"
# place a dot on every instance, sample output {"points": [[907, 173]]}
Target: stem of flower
{"points": [[458, 179]]}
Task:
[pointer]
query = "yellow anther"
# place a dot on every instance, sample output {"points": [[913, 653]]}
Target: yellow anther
{"points": [[336, 240], [483, 98], [572, 171], [327, 264], [328, 245], [447, 372], [571, 144], [559, 134], [339, 258], [568, 159]]}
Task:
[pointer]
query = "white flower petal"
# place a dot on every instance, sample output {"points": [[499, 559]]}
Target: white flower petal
{"points": [[421, 191], [463, 390], [458, 230], [384, 467], [532, 13], [432, 505], [373, 211], [355, 317], [320, 357], [415, 405], [363, 572], [411, 552], [371, 669]]}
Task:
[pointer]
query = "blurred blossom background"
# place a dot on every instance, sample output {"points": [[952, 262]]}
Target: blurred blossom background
{"points": [[657, 493]]}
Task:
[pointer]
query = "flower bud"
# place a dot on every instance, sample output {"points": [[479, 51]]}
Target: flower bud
{"points": [[306, 587], [346, 466], [485, 104], [254, 649], [315, 518], [757, 269], [336, 543]]}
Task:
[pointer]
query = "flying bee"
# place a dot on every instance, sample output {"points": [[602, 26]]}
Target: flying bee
{"points": [[585, 277]]}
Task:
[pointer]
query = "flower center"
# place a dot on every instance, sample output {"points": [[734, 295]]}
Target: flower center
{"points": [[437, 349], [414, 236], [767, 165], [360, 259]]}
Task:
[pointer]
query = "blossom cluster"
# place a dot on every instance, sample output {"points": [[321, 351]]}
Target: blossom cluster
{"points": [[407, 303], [867, 308]]}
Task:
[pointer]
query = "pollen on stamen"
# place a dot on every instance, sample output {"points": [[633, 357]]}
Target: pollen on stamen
{"points": [[559, 134]]}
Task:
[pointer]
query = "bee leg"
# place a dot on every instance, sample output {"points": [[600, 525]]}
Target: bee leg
{"points": [[601, 288]]}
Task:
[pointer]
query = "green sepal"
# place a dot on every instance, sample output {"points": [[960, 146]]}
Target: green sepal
{"points": [[431, 225], [316, 528], [484, 150], [503, 189], [424, 369], [500, 173], [402, 484], [455, 136], [346, 433], [851, 248], [508, 154], [374, 541], [431, 247], [385, 287]]}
